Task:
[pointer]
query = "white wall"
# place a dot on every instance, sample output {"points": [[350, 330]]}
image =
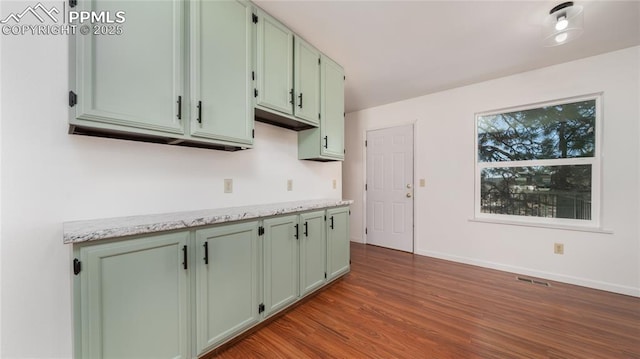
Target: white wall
{"points": [[49, 177], [444, 153]]}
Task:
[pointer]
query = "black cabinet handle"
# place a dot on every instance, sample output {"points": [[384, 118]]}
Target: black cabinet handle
{"points": [[331, 222], [200, 112], [306, 230], [326, 141], [184, 255], [179, 107], [206, 252], [296, 235], [291, 96], [300, 99]]}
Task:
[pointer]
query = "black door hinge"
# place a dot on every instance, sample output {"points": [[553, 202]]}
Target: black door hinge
{"points": [[365, 231], [179, 108], [260, 230], [349, 212], [325, 218], [254, 18], [318, 115], [365, 186], [255, 92], [325, 275], [253, 133], [199, 119], [73, 3], [73, 99], [261, 308], [77, 266], [253, 75], [365, 143], [318, 61]]}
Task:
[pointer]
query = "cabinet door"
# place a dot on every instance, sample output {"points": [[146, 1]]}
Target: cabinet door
{"points": [[313, 247], [133, 298], [326, 143], [332, 93], [226, 282], [132, 80], [307, 82], [338, 253], [281, 271], [221, 48], [274, 64]]}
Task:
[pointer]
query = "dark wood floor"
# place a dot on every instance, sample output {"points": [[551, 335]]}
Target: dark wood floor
{"points": [[399, 305]]}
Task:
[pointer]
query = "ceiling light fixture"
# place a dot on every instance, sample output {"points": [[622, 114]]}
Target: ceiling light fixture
{"points": [[563, 24]]}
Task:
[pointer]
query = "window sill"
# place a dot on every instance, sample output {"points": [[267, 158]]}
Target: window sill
{"points": [[543, 225]]}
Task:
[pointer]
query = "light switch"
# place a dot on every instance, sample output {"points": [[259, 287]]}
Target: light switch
{"points": [[290, 185], [335, 183], [228, 185], [422, 182]]}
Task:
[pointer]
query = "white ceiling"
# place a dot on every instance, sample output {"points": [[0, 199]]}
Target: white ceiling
{"points": [[394, 50]]}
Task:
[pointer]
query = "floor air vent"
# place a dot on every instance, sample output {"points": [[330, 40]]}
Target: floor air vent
{"points": [[532, 281]]}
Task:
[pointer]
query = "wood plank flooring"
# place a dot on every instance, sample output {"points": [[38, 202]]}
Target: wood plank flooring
{"points": [[399, 305]]}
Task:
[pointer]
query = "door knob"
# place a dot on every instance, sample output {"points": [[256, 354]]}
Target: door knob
{"points": [[408, 194], [409, 185]]}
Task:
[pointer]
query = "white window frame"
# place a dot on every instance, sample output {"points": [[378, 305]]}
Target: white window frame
{"points": [[595, 162]]}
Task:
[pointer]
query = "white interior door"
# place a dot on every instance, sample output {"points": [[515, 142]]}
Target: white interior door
{"points": [[389, 187]]}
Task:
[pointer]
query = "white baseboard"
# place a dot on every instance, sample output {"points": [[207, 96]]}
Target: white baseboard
{"points": [[610, 287], [357, 240]]}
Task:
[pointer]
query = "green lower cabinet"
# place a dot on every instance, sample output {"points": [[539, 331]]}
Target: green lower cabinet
{"points": [[226, 282], [180, 294], [133, 298], [338, 253], [281, 262], [313, 247]]}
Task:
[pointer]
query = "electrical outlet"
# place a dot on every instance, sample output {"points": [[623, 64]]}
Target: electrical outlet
{"points": [[558, 248], [290, 185], [335, 183], [422, 182], [228, 185]]}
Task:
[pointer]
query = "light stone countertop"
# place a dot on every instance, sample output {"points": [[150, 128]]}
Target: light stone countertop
{"points": [[96, 229]]}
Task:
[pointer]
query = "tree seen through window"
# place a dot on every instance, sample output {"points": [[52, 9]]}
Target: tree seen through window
{"points": [[529, 161]]}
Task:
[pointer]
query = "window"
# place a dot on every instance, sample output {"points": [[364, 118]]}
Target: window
{"points": [[540, 164]]}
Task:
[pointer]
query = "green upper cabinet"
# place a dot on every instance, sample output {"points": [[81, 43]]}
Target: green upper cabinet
{"points": [[131, 80], [338, 250], [133, 298], [307, 82], [326, 143], [221, 63], [227, 282], [137, 83], [332, 93], [287, 76], [281, 259], [274, 77], [313, 247]]}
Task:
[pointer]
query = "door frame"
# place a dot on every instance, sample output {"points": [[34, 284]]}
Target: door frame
{"points": [[364, 179]]}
